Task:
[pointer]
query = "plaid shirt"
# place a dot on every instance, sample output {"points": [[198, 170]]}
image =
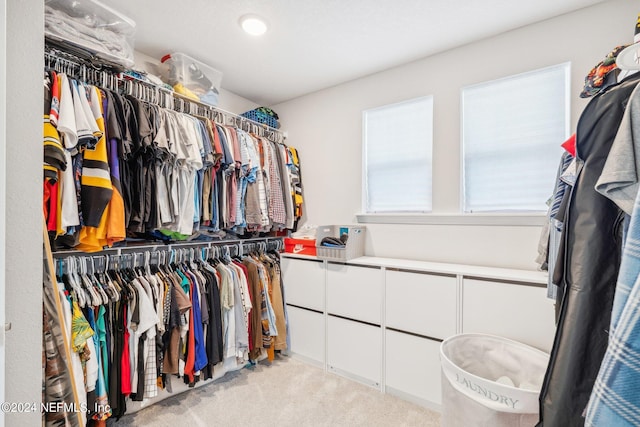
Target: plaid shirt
{"points": [[615, 398], [277, 210]]}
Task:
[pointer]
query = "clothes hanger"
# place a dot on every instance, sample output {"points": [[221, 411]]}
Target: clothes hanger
{"points": [[211, 255], [96, 297], [138, 263], [224, 252], [112, 268], [186, 258], [153, 261], [98, 284], [83, 283], [76, 283], [110, 288], [66, 276], [192, 254], [147, 262], [170, 266]]}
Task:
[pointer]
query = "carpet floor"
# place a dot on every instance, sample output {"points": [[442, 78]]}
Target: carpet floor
{"points": [[287, 392]]}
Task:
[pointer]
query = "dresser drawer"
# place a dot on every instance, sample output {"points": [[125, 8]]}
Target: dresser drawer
{"points": [[304, 282], [355, 350], [307, 333], [413, 367], [516, 311], [355, 292], [421, 303]]}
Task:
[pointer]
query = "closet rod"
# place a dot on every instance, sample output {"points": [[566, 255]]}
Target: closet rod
{"points": [[164, 247], [55, 54], [192, 102]]}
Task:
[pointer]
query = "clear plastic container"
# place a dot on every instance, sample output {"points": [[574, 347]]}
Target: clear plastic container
{"points": [[93, 27], [354, 247], [198, 78]]}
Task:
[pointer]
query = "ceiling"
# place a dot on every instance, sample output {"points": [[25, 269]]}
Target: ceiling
{"points": [[315, 44]]}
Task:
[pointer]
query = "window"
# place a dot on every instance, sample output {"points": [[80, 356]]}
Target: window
{"points": [[512, 129], [397, 157]]}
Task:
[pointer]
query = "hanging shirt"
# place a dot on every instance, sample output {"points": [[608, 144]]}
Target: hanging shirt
{"points": [[148, 320], [263, 184], [115, 228], [164, 168], [619, 179], [54, 159], [200, 360], [67, 118], [277, 210], [241, 312], [215, 349], [615, 399], [101, 400], [256, 291], [68, 205], [88, 131], [287, 195], [101, 330], [228, 310], [96, 183], [149, 357], [296, 184], [76, 362]]}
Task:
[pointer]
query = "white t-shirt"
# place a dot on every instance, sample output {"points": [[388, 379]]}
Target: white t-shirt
{"points": [[67, 118]]}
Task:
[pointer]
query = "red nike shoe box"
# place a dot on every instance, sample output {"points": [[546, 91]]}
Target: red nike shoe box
{"points": [[300, 246]]}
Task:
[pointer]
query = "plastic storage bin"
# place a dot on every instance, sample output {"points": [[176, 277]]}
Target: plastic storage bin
{"points": [[490, 381], [353, 249], [195, 76], [92, 27], [260, 117]]}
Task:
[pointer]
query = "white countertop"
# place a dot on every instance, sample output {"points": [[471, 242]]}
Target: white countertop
{"points": [[509, 274]]}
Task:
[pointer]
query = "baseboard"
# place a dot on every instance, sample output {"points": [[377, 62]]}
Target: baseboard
{"points": [[413, 399], [357, 378], [307, 360]]}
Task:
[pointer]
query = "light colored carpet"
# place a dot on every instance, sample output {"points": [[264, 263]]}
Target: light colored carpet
{"points": [[288, 392]]}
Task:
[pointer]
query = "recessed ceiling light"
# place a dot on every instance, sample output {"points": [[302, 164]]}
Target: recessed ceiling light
{"points": [[253, 24]]}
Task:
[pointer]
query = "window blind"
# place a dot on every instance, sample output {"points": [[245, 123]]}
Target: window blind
{"points": [[512, 129], [398, 141]]}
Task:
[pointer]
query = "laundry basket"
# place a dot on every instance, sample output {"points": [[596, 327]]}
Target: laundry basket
{"points": [[490, 381], [354, 247]]}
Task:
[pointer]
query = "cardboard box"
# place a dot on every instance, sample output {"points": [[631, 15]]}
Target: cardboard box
{"points": [[300, 246]]}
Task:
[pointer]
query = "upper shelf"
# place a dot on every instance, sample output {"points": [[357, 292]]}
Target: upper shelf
{"points": [[91, 27]]}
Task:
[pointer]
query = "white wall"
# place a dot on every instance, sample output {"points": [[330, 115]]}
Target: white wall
{"points": [[326, 126], [23, 207], [3, 187]]}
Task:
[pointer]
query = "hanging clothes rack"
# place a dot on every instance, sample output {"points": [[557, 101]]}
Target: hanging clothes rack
{"points": [[245, 267], [137, 256], [276, 242], [129, 253], [104, 288], [103, 75]]}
